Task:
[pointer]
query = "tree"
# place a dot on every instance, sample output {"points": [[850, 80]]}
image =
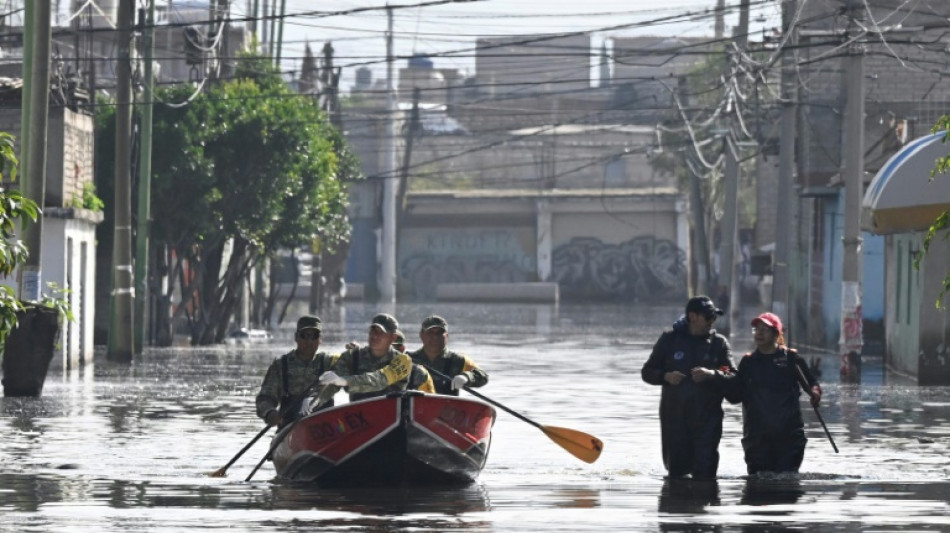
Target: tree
{"points": [[246, 168], [14, 209], [941, 225]]}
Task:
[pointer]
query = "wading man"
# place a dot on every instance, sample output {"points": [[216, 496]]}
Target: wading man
{"points": [[693, 364]]}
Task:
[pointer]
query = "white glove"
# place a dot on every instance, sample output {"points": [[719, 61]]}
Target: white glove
{"points": [[459, 381], [331, 378]]}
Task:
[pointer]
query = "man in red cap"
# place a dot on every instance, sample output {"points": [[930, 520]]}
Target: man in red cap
{"points": [[768, 384], [692, 363]]}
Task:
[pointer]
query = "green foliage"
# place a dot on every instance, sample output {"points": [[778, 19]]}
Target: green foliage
{"points": [[8, 158], [88, 199], [246, 168], [942, 224], [14, 210], [58, 299]]}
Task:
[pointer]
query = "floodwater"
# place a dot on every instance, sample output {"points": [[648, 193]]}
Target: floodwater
{"points": [[127, 448]]}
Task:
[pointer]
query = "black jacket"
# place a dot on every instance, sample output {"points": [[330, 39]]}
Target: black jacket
{"points": [[677, 350], [769, 386]]}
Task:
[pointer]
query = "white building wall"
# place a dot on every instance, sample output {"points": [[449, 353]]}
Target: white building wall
{"points": [[68, 259]]}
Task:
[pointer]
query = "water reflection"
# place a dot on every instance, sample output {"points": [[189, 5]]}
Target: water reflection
{"points": [[690, 498], [686, 496], [379, 501], [772, 490]]}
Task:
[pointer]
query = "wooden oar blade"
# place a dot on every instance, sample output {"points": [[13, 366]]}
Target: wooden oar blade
{"points": [[585, 447]]}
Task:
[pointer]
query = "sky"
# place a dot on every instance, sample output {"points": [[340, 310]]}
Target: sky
{"points": [[359, 38]]}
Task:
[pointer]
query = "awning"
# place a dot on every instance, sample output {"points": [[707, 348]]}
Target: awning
{"points": [[901, 198]]}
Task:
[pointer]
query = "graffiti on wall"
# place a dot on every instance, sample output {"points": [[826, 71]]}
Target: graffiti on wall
{"points": [[644, 267], [428, 257]]}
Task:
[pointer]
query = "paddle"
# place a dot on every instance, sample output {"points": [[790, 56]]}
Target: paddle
{"points": [[585, 447], [222, 472], [807, 389]]}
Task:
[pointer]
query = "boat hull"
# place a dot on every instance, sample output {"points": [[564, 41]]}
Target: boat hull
{"points": [[406, 438]]}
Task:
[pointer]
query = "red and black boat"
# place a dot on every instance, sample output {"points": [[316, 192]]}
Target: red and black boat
{"points": [[407, 438]]}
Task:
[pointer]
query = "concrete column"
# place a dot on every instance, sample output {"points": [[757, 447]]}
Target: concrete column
{"points": [[545, 240]]}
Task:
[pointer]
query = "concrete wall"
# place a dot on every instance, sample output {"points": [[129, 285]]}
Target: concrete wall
{"points": [[627, 244], [70, 169], [532, 64], [66, 169], [903, 299], [69, 260], [934, 324], [872, 279]]}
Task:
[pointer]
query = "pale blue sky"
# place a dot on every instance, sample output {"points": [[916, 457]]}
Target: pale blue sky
{"points": [[434, 30]]}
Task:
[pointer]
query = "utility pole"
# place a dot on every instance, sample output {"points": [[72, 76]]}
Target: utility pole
{"points": [[786, 164], [145, 185], [27, 73], [700, 243], [730, 230], [273, 28], [280, 32], [387, 271], [729, 227], [851, 339], [719, 27], [121, 320], [31, 277]]}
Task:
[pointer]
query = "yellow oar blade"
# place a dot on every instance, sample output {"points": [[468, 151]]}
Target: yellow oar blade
{"points": [[585, 447]]}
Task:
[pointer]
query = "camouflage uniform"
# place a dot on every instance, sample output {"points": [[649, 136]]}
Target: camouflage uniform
{"points": [[448, 365], [285, 393], [370, 376]]}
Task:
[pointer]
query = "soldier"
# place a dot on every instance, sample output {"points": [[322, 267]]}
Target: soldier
{"points": [[292, 376], [377, 368], [400, 343], [451, 371]]}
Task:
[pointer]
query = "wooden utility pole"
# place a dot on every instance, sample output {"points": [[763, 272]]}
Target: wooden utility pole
{"points": [[120, 346]]}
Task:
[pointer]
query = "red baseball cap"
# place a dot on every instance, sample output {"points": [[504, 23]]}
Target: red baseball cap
{"points": [[769, 319]]}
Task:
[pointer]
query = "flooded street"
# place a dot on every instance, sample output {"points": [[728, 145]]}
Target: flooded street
{"points": [[128, 448]]}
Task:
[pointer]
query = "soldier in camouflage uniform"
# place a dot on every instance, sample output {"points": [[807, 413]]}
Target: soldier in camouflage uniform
{"points": [[377, 369], [292, 376], [450, 370]]}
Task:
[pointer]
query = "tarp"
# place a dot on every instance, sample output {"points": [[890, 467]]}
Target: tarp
{"points": [[902, 198]]}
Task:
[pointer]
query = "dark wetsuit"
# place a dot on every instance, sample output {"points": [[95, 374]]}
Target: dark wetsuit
{"points": [[690, 413], [773, 432]]}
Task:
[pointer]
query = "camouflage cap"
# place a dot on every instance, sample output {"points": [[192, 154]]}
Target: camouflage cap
{"points": [[386, 322], [309, 322], [434, 321], [400, 338]]}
